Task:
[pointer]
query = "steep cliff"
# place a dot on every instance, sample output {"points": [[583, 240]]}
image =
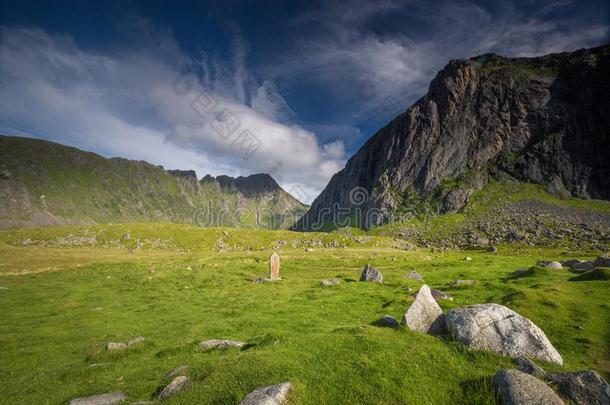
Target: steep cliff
{"points": [[543, 120]]}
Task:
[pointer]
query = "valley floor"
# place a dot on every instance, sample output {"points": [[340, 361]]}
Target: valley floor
{"points": [[65, 292]]}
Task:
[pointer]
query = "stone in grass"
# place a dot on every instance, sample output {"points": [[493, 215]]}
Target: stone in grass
{"points": [[274, 266], [501, 330], [178, 384], [261, 280], [219, 344], [386, 321], [273, 395], [424, 314], [135, 341], [464, 282], [527, 366], [582, 266], [492, 249], [549, 264], [584, 387], [414, 276], [515, 387], [602, 261], [468, 258], [114, 346], [330, 282], [369, 273], [440, 295], [103, 399], [180, 370]]}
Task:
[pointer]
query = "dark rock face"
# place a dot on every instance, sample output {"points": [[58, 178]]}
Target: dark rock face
{"points": [[582, 387], [543, 120], [250, 186]]}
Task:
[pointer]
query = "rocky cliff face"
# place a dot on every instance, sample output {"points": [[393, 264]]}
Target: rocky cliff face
{"points": [[44, 183], [543, 120]]}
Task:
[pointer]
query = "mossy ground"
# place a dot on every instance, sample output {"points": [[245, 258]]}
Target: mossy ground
{"points": [[62, 304]]}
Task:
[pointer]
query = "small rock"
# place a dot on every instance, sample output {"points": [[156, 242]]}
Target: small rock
{"points": [[468, 258], [517, 388], [584, 387], [602, 261], [178, 384], [527, 366], [330, 282], [3, 288], [103, 399], [549, 264], [126, 236], [414, 276], [387, 321], [135, 341], [261, 280], [225, 233], [571, 262], [308, 249], [180, 370], [441, 295], [583, 266], [112, 346], [219, 344], [492, 249], [499, 329], [424, 314], [272, 395], [369, 273], [464, 282]]}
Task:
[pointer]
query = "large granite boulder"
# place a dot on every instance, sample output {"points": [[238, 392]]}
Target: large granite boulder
{"points": [[582, 387], [424, 314], [273, 395], [369, 273], [515, 387], [499, 329]]}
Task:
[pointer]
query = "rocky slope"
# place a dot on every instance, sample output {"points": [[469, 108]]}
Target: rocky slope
{"points": [[44, 183], [543, 120]]}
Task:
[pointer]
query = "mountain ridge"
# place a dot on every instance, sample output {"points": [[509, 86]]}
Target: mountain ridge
{"points": [[47, 183]]}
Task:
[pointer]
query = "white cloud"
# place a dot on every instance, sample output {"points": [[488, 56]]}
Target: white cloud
{"points": [[132, 103]]}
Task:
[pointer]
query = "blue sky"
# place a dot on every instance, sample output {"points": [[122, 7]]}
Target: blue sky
{"points": [[228, 87]]}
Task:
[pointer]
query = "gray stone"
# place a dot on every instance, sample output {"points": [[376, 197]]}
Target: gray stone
{"points": [[274, 266], [135, 341], [387, 321], [219, 344], [492, 249], [103, 399], [602, 261], [180, 370], [178, 384], [582, 387], [272, 395], [113, 346], [554, 265], [424, 314], [468, 258], [464, 282], [570, 262], [369, 273], [414, 276], [440, 295], [527, 366], [261, 280], [518, 388], [499, 329], [308, 249], [330, 282], [583, 266]]}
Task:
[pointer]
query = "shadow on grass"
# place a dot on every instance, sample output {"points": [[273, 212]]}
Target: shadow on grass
{"points": [[478, 391]]}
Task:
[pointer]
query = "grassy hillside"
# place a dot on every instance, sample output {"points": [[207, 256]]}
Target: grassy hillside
{"points": [[67, 291], [43, 183]]}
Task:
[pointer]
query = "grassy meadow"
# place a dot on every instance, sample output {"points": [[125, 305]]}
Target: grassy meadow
{"points": [[65, 292]]}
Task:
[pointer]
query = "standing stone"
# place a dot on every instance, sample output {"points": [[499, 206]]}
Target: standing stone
{"points": [[424, 314], [103, 399], [178, 384], [369, 273], [273, 395], [517, 388], [274, 266], [582, 387], [499, 329]]}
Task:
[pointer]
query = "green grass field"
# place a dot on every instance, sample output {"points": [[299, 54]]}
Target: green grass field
{"points": [[62, 302]]}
